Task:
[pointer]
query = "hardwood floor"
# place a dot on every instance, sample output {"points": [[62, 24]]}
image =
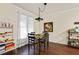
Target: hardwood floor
{"points": [[54, 49]]}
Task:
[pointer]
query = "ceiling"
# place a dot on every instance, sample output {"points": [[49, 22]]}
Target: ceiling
{"points": [[50, 7]]}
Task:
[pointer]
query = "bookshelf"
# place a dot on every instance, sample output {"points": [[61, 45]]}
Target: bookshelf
{"points": [[73, 38], [6, 38]]}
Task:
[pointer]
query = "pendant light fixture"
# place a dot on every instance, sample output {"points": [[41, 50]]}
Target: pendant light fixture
{"points": [[40, 11]]}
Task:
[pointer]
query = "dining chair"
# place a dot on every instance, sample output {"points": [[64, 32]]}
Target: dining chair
{"points": [[31, 41], [45, 40]]}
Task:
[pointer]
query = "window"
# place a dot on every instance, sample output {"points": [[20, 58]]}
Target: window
{"points": [[23, 26], [30, 24], [26, 26]]}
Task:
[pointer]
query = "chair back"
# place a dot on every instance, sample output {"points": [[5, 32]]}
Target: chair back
{"points": [[31, 37]]}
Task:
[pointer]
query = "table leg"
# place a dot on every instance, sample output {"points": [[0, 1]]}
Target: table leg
{"points": [[39, 46]]}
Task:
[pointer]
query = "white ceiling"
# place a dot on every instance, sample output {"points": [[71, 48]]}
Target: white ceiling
{"points": [[50, 8]]}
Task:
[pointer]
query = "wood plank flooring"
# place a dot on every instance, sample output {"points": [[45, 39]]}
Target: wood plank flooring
{"points": [[54, 49]]}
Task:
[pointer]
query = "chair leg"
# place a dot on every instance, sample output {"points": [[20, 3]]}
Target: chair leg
{"points": [[34, 48], [44, 46], [28, 49], [47, 44], [37, 48]]}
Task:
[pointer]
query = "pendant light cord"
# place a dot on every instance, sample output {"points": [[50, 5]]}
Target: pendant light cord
{"points": [[42, 10]]}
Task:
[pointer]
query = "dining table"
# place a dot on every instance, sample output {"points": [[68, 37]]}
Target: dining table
{"points": [[38, 38]]}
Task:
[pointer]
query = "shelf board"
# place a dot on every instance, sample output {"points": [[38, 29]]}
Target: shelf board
{"points": [[7, 42], [74, 32], [7, 51], [10, 42], [11, 34], [74, 38], [7, 27], [2, 43]]}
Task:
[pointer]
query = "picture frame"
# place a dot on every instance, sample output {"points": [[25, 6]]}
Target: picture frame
{"points": [[48, 26]]}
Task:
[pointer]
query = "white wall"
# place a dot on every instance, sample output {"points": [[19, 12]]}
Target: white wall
{"points": [[62, 21], [9, 13]]}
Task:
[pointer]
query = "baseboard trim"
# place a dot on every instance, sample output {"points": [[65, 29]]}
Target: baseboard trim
{"points": [[59, 43]]}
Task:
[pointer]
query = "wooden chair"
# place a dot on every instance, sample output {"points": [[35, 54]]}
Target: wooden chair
{"points": [[45, 40], [31, 42]]}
